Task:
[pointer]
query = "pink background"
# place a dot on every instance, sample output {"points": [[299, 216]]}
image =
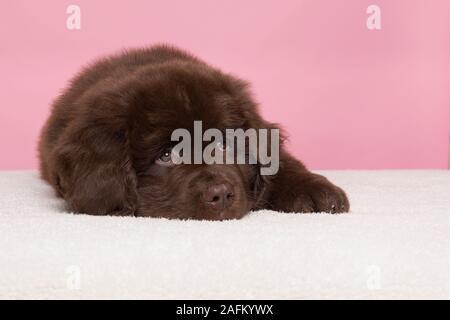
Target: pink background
{"points": [[349, 97]]}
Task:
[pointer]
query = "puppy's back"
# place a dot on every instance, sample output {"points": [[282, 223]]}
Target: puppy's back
{"points": [[111, 69]]}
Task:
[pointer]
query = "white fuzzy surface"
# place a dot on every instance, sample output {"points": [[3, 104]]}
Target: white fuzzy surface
{"points": [[393, 244]]}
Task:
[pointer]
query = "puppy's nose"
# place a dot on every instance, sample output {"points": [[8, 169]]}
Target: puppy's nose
{"points": [[219, 196]]}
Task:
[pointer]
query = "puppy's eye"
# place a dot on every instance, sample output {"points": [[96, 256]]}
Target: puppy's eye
{"points": [[165, 159]]}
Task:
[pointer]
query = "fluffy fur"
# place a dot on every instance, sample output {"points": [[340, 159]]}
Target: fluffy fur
{"points": [[101, 147]]}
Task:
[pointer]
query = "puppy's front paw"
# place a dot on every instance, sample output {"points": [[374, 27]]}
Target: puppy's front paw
{"points": [[320, 195]]}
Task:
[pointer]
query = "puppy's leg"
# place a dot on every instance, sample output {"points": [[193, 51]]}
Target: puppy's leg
{"points": [[295, 189]]}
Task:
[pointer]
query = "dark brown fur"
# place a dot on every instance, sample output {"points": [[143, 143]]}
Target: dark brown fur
{"points": [[99, 146]]}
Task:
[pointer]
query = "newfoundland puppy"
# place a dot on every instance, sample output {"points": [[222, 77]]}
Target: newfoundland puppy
{"points": [[106, 148]]}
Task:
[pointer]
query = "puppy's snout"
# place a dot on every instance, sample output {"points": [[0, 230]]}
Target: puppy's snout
{"points": [[219, 196]]}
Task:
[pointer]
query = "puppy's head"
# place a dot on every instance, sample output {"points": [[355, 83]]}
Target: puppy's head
{"points": [[174, 96]]}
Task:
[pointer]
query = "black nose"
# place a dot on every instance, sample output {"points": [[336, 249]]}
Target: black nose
{"points": [[219, 196]]}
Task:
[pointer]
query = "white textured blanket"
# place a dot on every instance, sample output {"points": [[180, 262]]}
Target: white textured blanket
{"points": [[393, 244]]}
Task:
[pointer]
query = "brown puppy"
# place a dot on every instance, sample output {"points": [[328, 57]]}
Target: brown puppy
{"points": [[106, 144]]}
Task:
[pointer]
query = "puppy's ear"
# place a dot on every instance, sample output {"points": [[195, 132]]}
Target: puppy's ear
{"points": [[94, 171], [263, 182]]}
